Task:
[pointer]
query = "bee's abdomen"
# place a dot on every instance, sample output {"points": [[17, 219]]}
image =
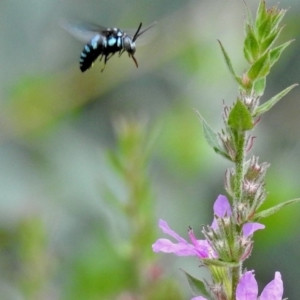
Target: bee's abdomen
{"points": [[91, 51]]}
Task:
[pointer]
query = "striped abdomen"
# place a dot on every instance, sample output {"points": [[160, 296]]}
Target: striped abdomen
{"points": [[91, 51]]}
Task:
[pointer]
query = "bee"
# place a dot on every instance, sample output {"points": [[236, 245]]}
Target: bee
{"points": [[103, 42]]}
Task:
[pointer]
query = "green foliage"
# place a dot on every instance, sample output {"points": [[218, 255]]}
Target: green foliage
{"points": [[260, 68], [37, 254], [240, 118], [259, 37], [180, 141], [213, 138], [272, 210], [197, 286], [271, 102], [259, 86], [229, 65], [99, 271], [251, 45]]}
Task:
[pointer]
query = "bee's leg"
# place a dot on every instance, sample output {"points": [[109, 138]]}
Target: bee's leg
{"points": [[104, 63], [106, 58], [121, 52]]}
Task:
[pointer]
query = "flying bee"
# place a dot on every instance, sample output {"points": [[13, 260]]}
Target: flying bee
{"points": [[104, 42]]}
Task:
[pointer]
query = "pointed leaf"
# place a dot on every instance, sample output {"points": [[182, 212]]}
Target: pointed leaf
{"points": [[276, 18], [270, 103], [268, 212], [248, 14], [264, 29], [212, 137], [268, 41], [260, 68], [239, 117], [251, 46], [248, 55], [261, 13], [229, 65], [224, 154], [197, 286], [259, 86], [276, 52]]}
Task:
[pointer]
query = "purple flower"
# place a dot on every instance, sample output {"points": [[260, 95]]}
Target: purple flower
{"points": [[221, 209], [250, 228], [247, 288], [200, 248]]}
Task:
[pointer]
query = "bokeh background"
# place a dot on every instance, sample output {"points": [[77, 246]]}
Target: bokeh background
{"points": [[61, 235]]}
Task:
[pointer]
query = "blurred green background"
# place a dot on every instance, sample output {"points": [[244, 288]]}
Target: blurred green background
{"points": [[61, 235]]}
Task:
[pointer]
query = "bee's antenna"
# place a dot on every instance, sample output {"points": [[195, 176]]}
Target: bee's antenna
{"points": [[137, 33]]}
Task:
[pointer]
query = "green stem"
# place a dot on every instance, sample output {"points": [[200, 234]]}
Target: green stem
{"points": [[236, 273], [238, 194], [239, 165]]}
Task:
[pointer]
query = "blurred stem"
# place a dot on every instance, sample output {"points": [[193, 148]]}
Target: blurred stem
{"points": [[33, 255], [131, 160]]}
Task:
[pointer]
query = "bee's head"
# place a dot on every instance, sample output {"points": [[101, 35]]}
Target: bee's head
{"points": [[129, 45]]}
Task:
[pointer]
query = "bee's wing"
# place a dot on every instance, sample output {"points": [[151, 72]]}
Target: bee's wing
{"points": [[83, 31]]}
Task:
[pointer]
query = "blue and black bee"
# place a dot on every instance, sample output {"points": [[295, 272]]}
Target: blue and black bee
{"points": [[104, 42]]}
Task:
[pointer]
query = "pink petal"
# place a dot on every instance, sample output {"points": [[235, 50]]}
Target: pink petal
{"points": [[222, 207], [164, 245], [250, 228], [247, 288], [204, 249], [199, 298], [274, 289], [166, 229]]}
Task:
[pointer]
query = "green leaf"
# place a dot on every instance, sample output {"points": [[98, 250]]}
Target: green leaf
{"points": [[276, 52], [259, 86], [268, 212], [212, 137], [239, 117], [264, 29], [251, 46], [229, 65], [248, 55], [277, 17], [270, 103], [248, 15], [269, 40], [196, 285], [261, 13], [260, 68]]}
